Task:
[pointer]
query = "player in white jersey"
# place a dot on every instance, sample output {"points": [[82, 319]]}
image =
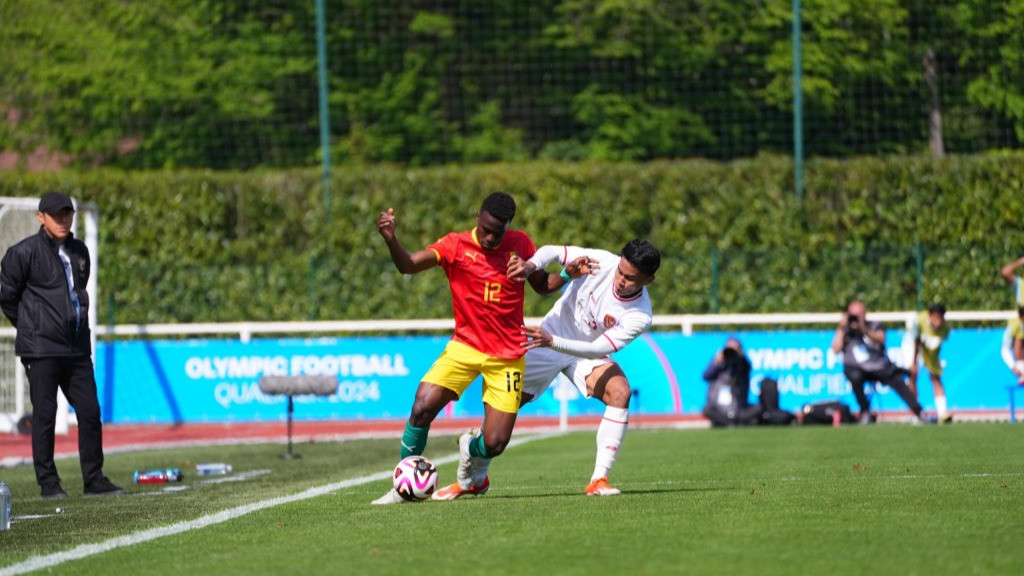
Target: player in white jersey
{"points": [[605, 307]]}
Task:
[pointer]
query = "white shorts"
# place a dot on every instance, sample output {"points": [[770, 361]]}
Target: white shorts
{"points": [[544, 364]]}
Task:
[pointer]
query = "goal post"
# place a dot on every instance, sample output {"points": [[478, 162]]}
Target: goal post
{"points": [[18, 221]]}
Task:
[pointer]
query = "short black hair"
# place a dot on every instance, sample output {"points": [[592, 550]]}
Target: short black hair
{"points": [[501, 206], [937, 308], [643, 255]]}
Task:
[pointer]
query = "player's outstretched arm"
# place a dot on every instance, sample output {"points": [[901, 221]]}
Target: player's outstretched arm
{"points": [[541, 281], [405, 262], [1007, 271], [535, 337], [544, 282], [616, 339]]}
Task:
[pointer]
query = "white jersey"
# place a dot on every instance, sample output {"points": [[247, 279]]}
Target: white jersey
{"points": [[590, 320]]}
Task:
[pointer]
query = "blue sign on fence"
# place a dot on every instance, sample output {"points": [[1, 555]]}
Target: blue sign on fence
{"points": [[165, 381]]}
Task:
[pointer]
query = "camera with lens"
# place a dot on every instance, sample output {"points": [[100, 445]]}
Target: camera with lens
{"points": [[853, 323], [730, 355]]}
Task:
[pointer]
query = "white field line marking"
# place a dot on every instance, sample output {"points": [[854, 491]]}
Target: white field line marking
{"points": [[86, 550]]}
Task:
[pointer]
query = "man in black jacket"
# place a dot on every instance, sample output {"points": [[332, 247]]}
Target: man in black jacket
{"points": [[42, 293], [862, 344], [728, 378]]}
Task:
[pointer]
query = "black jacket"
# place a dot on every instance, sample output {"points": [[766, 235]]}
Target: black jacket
{"points": [[34, 296], [737, 366], [860, 351]]}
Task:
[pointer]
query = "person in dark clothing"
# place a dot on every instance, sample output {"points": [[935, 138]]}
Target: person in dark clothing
{"points": [[862, 344], [728, 378], [42, 293]]}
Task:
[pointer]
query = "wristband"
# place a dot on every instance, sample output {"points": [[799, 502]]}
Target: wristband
{"points": [[565, 275], [1019, 365]]}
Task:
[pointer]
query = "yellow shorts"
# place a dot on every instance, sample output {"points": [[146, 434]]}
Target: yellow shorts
{"points": [[459, 365], [931, 361]]}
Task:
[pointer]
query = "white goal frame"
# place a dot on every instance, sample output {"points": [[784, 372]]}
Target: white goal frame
{"points": [[14, 397]]}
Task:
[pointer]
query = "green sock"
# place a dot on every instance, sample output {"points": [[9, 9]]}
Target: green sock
{"points": [[414, 440], [477, 447]]}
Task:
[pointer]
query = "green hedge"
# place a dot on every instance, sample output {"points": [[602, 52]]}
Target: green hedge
{"points": [[214, 246]]}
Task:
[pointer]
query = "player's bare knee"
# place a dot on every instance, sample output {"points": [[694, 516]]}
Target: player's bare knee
{"points": [[617, 394], [422, 414], [496, 448], [420, 418], [495, 443]]}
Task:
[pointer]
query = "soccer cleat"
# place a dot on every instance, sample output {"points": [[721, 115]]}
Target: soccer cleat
{"points": [[464, 474], [601, 487], [946, 418], [392, 497], [453, 491]]}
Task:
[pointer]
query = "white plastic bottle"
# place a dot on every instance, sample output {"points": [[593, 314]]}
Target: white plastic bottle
{"points": [[212, 469], [5, 506]]}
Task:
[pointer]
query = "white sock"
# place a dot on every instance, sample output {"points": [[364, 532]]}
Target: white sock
{"points": [[609, 437], [940, 405]]}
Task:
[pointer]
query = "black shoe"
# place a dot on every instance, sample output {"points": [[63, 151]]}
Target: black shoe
{"points": [[104, 487], [52, 492]]}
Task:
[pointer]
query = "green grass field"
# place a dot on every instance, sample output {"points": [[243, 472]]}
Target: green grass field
{"points": [[886, 499]]}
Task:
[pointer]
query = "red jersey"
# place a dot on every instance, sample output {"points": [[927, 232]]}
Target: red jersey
{"points": [[488, 305]]}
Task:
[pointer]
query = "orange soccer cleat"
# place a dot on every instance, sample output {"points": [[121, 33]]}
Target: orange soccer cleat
{"points": [[454, 491], [601, 487]]}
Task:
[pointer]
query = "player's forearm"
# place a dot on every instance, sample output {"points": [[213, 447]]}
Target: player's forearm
{"points": [[597, 349], [1007, 271], [1008, 350], [553, 283], [401, 257], [547, 254]]}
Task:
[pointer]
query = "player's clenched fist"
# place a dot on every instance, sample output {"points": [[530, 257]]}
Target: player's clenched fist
{"points": [[386, 224]]}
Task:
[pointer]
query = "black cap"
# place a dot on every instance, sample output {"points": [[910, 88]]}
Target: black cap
{"points": [[53, 202]]}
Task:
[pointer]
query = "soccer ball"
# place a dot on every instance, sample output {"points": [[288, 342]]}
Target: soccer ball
{"points": [[415, 478]]}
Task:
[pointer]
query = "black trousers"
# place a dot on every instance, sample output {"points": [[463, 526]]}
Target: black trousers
{"points": [[73, 375], [891, 377]]}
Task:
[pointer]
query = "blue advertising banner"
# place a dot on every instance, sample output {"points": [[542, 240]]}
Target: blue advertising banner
{"points": [[217, 380]]}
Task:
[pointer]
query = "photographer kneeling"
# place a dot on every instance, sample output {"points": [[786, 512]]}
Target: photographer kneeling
{"points": [[862, 344], [728, 378]]}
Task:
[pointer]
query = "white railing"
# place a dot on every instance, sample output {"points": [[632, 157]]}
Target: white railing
{"points": [[684, 322]]}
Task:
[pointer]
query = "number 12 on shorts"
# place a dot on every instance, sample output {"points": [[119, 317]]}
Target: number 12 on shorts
{"points": [[513, 380]]}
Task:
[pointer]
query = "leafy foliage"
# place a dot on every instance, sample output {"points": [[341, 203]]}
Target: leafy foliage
{"points": [[234, 85], [221, 246]]}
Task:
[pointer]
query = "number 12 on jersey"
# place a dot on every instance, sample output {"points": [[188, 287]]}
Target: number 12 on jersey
{"points": [[492, 292]]}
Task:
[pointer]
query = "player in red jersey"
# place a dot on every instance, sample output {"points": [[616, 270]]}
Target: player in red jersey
{"points": [[488, 307]]}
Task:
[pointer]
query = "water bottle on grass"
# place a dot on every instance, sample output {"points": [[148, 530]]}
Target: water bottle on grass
{"points": [[5, 506], [212, 469]]}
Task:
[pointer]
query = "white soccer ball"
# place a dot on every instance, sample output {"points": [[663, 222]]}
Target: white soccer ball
{"points": [[415, 478]]}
